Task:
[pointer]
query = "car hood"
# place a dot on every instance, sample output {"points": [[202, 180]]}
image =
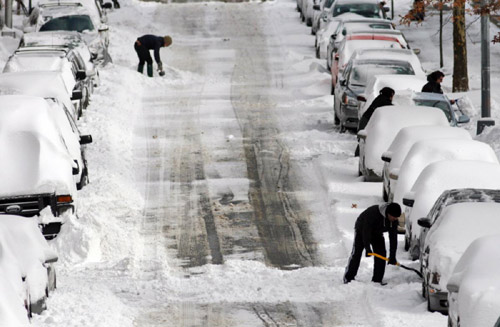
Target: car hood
{"points": [[32, 164]]}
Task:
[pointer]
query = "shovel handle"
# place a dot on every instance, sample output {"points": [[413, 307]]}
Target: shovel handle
{"points": [[382, 257]]}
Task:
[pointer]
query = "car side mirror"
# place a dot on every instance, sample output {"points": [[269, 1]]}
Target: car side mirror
{"points": [[332, 38], [343, 82], [76, 95], [416, 51], [336, 58], [344, 32], [463, 119], [424, 222], [81, 75], [316, 7], [362, 134], [85, 139], [386, 156], [107, 5], [76, 170], [103, 28]]}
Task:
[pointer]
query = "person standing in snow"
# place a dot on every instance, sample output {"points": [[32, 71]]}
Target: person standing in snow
{"points": [[369, 236], [151, 42], [433, 84]]}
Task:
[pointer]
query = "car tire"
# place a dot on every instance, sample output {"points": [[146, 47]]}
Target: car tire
{"points": [[407, 242], [424, 290], [309, 22], [429, 307], [302, 17], [385, 196], [318, 55], [84, 179]]}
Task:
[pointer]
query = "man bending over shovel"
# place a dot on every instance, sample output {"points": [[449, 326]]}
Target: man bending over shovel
{"points": [[369, 235]]}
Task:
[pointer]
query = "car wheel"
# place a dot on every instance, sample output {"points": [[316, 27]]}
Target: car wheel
{"points": [[429, 307], [318, 52], [385, 196], [302, 17], [407, 243], [309, 22], [84, 180], [313, 32]]}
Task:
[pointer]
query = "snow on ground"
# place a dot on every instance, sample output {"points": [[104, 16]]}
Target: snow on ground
{"points": [[99, 267]]}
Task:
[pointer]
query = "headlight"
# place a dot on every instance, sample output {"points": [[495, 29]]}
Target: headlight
{"points": [[347, 100], [95, 46]]}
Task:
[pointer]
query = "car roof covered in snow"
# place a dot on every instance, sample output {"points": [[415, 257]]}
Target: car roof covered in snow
{"points": [[391, 54], [457, 227], [410, 135], [476, 274], [386, 122], [38, 158], [425, 152], [70, 39]]}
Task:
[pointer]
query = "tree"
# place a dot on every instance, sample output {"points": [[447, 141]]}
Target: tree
{"points": [[460, 72]]}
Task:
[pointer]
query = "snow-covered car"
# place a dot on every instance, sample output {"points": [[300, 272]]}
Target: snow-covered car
{"points": [[93, 6], [401, 145], [64, 61], [308, 11], [349, 25], [425, 152], [328, 28], [354, 78], [64, 39], [320, 14], [358, 41], [27, 270], [380, 131], [43, 163], [399, 83], [454, 114], [426, 199], [41, 84], [72, 17], [474, 286], [365, 8], [447, 239]]}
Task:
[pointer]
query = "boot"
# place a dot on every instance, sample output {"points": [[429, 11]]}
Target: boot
{"points": [[140, 68], [150, 70]]}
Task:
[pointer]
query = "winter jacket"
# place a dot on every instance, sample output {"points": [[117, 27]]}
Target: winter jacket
{"points": [[372, 222], [379, 101], [152, 42], [432, 87]]}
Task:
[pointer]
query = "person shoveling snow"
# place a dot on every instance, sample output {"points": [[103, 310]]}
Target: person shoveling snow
{"points": [[151, 42]]}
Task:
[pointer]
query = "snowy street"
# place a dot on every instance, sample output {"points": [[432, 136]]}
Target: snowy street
{"points": [[222, 194]]}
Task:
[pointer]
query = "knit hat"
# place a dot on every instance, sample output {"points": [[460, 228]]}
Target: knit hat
{"points": [[167, 40], [387, 91], [393, 209]]}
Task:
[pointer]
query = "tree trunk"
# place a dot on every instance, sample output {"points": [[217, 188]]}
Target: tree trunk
{"points": [[460, 75]]}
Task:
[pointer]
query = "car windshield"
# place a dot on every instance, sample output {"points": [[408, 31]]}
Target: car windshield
{"points": [[362, 72], [78, 23], [370, 10], [441, 104]]}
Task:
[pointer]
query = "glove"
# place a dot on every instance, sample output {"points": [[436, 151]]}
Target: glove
{"points": [[161, 73], [392, 261], [160, 66], [368, 250]]}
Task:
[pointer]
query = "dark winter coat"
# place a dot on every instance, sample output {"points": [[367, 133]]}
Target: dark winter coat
{"points": [[379, 101], [374, 222], [152, 42], [432, 87]]}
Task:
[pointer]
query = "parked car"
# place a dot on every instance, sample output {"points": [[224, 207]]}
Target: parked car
{"points": [[348, 26], [72, 17], [447, 239], [327, 29], [356, 41], [66, 40], [320, 14], [426, 196], [355, 76], [93, 6], [425, 152], [42, 84], [383, 126], [365, 8], [26, 264], [46, 163], [401, 145], [399, 83], [64, 61], [474, 285]]}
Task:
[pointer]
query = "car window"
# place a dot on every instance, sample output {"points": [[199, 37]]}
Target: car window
{"points": [[441, 104], [380, 26], [369, 10], [329, 3], [362, 72], [78, 23]]}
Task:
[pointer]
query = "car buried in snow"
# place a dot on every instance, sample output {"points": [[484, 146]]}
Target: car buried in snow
{"points": [[446, 240], [380, 131], [401, 145], [44, 163], [429, 194], [474, 285], [27, 270]]}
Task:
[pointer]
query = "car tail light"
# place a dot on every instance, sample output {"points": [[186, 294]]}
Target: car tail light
{"points": [[64, 199], [344, 98]]}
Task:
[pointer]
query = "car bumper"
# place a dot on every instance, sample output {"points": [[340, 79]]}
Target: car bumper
{"points": [[438, 300], [349, 116]]}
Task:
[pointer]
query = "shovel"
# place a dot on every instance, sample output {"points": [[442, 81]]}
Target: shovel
{"points": [[397, 264]]}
